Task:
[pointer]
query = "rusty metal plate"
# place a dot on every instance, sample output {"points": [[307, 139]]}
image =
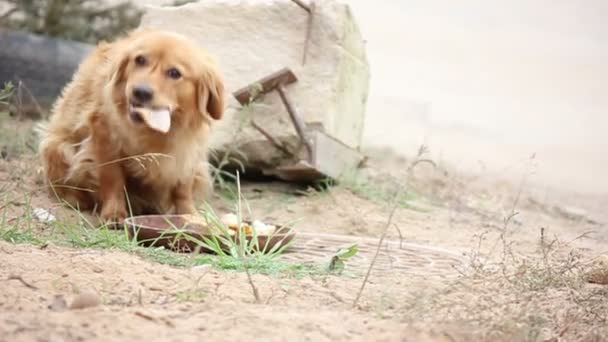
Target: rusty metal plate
{"points": [[395, 256]]}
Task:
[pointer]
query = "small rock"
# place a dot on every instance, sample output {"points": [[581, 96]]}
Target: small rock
{"points": [[598, 272], [58, 303], [43, 215], [86, 299]]}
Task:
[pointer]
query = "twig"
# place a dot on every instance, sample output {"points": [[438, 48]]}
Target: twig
{"points": [[269, 297], [421, 161], [254, 289], [145, 316], [371, 265], [302, 5], [512, 213], [239, 212], [336, 297], [149, 317], [310, 8], [584, 235], [311, 13], [400, 236], [9, 203], [242, 239], [21, 86], [421, 152], [19, 278]]}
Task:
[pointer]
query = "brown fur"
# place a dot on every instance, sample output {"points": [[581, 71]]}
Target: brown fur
{"points": [[92, 151]]}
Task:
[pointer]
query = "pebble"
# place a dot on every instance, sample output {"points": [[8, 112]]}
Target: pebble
{"points": [[58, 304], [86, 299], [598, 273]]}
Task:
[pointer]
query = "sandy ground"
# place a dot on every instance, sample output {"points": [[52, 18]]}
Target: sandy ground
{"points": [[141, 299], [472, 80]]}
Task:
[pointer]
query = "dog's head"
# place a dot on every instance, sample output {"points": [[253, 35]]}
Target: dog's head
{"points": [[163, 80]]}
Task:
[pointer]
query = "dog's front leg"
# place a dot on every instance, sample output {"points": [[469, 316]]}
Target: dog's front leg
{"points": [[111, 176], [183, 201]]}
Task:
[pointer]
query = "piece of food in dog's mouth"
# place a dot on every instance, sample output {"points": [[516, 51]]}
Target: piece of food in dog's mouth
{"points": [[157, 119]]}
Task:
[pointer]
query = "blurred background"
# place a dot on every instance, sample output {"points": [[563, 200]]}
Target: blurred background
{"points": [[484, 84]]}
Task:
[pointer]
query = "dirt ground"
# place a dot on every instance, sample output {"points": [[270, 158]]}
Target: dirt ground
{"points": [[529, 258], [521, 280]]}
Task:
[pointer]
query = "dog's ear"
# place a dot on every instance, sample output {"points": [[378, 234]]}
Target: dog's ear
{"points": [[117, 79], [120, 53], [211, 93], [119, 66]]}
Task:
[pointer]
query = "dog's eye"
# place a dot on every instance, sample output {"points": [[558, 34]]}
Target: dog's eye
{"points": [[174, 73], [140, 60]]}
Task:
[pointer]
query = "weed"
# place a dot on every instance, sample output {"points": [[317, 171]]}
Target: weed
{"points": [[382, 237], [394, 204], [18, 229], [5, 93], [337, 261], [15, 235], [193, 295], [227, 190], [15, 139], [269, 266], [511, 296]]}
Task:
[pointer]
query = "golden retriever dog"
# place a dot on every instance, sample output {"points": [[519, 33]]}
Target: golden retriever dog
{"points": [[129, 132]]}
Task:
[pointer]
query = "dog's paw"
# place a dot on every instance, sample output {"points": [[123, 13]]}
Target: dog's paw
{"points": [[114, 211], [184, 208]]}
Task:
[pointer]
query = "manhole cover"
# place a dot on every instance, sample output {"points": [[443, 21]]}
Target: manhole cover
{"points": [[394, 256]]}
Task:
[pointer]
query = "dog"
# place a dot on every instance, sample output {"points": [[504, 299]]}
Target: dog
{"points": [[128, 134]]}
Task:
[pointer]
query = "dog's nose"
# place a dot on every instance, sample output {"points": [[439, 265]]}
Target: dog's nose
{"points": [[143, 93]]}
